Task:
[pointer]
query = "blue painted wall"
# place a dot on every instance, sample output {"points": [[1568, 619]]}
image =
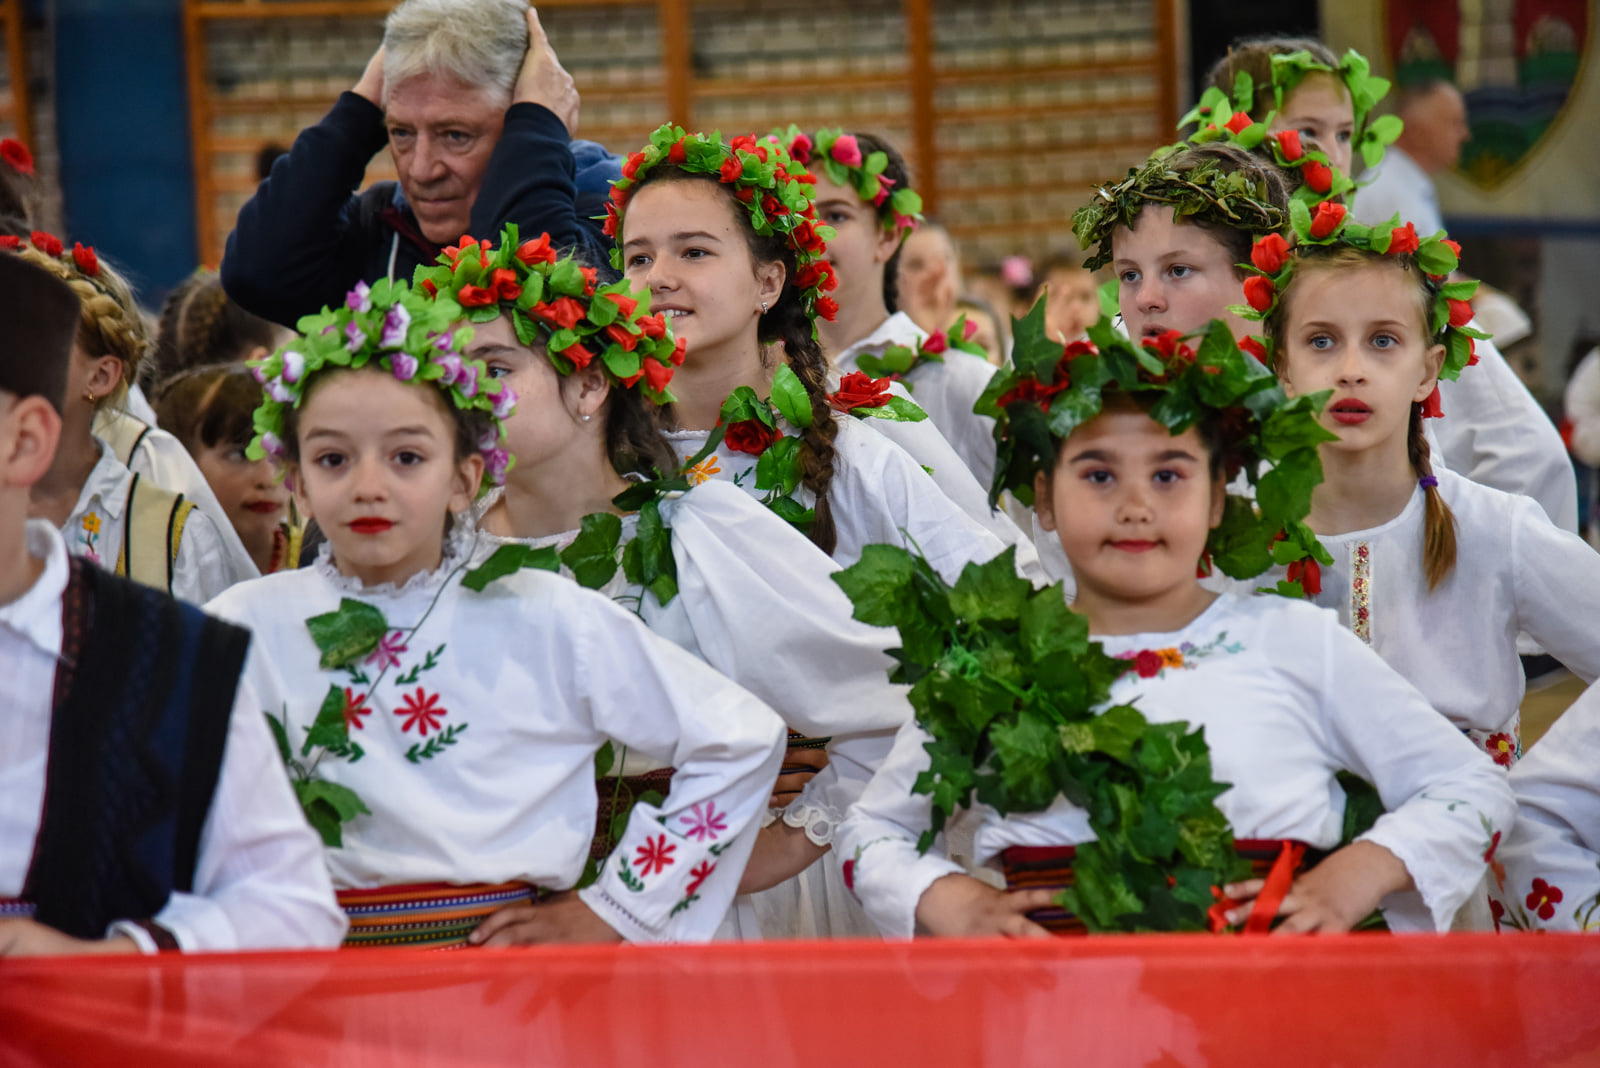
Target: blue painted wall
{"points": [[123, 122]]}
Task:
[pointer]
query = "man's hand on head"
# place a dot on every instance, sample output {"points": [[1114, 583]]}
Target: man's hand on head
{"points": [[544, 81], [371, 84]]}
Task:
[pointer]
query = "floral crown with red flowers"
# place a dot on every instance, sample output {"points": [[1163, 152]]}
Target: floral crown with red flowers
{"points": [[1365, 89], [83, 258], [555, 301], [1220, 118], [774, 188], [839, 156], [1272, 266], [1050, 389], [15, 154], [404, 332], [896, 361], [1206, 192]]}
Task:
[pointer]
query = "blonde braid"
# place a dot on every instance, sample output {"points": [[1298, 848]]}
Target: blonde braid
{"points": [[109, 323]]}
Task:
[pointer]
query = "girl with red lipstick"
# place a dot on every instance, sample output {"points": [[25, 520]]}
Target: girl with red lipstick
{"points": [[1438, 573], [725, 237], [1128, 452], [705, 566], [441, 722]]}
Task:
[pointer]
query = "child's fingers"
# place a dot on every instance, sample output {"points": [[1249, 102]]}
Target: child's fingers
{"points": [[1023, 901], [498, 921], [1248, 888], [1019, 926]]}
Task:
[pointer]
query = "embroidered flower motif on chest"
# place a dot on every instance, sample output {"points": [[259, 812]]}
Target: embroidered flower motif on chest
{"points": [[1148, 663], [421, 711], [654, 855], [91, 523], [355, 706], [703, 471], [387, 654], [698, 876], [705, 823]]}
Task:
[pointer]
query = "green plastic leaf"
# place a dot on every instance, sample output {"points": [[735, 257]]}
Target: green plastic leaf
{"points": [[280, 736], [990, 590], [348, 633], [1435, 257], [790, 397], [897, 410], [1286, 489], [779, 467], [592, 556], [328, 806], [509, 559], [329, 729], [879, 585]]}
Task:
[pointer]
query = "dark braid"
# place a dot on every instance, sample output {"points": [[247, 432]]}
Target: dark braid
{"points": [[634, 439], [787, 322], [200, 326]]}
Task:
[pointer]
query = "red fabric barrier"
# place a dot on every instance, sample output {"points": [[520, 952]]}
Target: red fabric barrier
{"points": [[1360, 1000]]}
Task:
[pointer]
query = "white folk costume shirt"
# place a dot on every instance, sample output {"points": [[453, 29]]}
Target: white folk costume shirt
{"points": [[1495, 433], [94, 532], [757, 601], [879, 496], [479, 718], [1548, 873], [1399, 185], [162, 458], [923, 442], [259, 883], [1287, 699], [1515, 572], [946, 390]]}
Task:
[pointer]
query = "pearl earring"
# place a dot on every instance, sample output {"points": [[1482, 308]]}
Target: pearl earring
{"points": [[587, 418]]}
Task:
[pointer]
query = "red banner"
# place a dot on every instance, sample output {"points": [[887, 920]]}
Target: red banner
{"points": [[1184, 1000]]}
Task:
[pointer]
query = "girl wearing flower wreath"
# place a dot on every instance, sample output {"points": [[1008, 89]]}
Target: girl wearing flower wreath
{"points": [[725, 237], [124, 510], [1547, 870], [705, 566], [1437, 572], [442, 735], [862, 190], [1292, 100], [1074, 742]]}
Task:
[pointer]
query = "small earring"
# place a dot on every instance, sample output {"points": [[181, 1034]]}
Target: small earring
{"points": [[89, 396], [763, 307], [587, 418]]}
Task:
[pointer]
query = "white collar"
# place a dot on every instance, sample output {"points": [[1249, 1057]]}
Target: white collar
{"points": [[108, 482], [898, 329], [36, 615]]}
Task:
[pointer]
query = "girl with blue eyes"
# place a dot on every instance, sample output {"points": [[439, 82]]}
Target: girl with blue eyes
{"points": [[1438, 573]]}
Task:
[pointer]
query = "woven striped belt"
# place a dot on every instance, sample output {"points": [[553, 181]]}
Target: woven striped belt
{"points": [[440, 915], [1050, 868]]}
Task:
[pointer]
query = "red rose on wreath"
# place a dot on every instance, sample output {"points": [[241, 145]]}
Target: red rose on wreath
{"points": [[827, 308], [676, 155], [537, 251], [1259, 293], [86, 260], [16, 154], [1270, 253], [1309, 574], [1543, 898], [800, 148], [657, 375], [859, 390], [1148, 663], [563, 313], [936, 343], [1460, 312], [1289, 141], [846, 150], [613, 221], [579, 355], [475, 297], [1326, 219], [1319, 176], [616, 332], [10, 241], [1403, 239], [731, 169], [678, 351], [1239, 123], [49, 244], [1453, 246], [1249, 344], [653, 326], [630, 169], [503, 280], [625, 304], [751, 436]]}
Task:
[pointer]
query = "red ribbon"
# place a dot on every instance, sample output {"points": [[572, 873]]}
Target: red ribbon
{"points": [[1276, 888]]}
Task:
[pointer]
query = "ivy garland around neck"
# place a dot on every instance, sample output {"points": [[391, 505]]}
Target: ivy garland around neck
{"points": [[1233, 199], [1050, 389], [1017, 699], [554, 301], [1217, 117], [1273, 259], [775, 190], [897, 361], [839, 156], [399, 330]]}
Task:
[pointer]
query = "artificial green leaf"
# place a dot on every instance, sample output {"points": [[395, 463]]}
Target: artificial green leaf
{"points": [[1362, 807], [990, 590], [1435, 257], [509, 559], [779, 467], [567, 279], [329, 729], [605, 758], [280, 736], [1286, 489], [328, 806], [348, 633], [592, 556], [897, 410], [790, 397]]}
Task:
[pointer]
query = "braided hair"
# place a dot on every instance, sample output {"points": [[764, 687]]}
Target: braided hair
{"points": [[109, 323]]}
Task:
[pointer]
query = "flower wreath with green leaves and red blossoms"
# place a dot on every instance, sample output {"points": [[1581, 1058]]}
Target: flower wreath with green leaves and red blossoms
{"points": [[838, 155], [1218, 117], [404, 332], [1272, 265], [1050, 389], [1205, 193], [555, 301], [775, 190], [897, 361], [83, 257]]}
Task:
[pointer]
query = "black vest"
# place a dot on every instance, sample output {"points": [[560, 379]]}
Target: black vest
{"points": [[143, 694]]}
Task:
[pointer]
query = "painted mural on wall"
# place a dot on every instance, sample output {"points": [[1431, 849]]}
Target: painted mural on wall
{"points": [[1515, 61]]}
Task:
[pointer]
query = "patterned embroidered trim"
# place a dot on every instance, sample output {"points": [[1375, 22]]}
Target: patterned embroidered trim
{"points": [[15, 909], [1361, 591]]}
